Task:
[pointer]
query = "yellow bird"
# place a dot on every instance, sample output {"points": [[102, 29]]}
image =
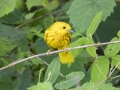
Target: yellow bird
{"points": [[58, 36]]}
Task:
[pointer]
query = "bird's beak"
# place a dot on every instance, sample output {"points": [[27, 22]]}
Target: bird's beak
{"points": [[71, 31]]}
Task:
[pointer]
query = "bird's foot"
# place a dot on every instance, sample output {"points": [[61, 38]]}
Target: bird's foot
{"points": [[48, 53], [66, 50]]}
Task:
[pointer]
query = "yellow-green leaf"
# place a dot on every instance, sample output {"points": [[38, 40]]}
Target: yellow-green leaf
{"points": [[116, 61], [50, 6], [90, 50], [112, 49], [78, 42], [94, 24], [31, 3], [100, 69]]}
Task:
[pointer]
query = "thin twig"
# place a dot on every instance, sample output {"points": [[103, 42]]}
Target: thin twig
{"points": [[98, 40], [100, 70], [114, 69], [39, 59], [108, 76], [29, 21], [61, 14], [53, 52], [111, 67], [99, 83], [115, 77]]}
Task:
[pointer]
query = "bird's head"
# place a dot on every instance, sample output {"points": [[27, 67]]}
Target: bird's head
{"points": [[61, 27]]}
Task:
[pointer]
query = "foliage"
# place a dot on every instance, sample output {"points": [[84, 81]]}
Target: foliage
{"points": [[22, 27], [6, 7], [86, 12]]}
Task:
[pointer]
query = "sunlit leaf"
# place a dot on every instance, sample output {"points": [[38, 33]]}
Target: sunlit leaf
{"points": [[116, 61], [78, 42], [82, 12], [50, 5], [112, 49], [102, 86], [90, 50], [94, 24], [31, 3], [100, 69], [6, 6], [42, 86]]}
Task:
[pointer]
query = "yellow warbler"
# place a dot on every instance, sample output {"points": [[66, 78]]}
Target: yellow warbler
{"points": [[58, 36]]}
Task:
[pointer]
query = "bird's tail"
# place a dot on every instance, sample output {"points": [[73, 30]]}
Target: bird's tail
{"points": [[66, 57]]}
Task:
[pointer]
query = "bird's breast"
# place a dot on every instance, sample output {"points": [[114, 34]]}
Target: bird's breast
{"points": [[58, 41]]}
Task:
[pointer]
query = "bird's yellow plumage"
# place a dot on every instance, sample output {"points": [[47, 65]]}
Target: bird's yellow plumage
{"points": [[58, 36]]}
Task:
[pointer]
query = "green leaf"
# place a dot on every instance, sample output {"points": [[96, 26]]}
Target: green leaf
{"points": [[65, 6], [102, 86], [71, 79], [28, 32], [82, 12], [100, 69], [90, 50], [16, 37], [53, 71], [20, 5], [35, 61], [4, 49], [31, 3], [78, 42], [6, 6], [116, 60], [12, 17], [94, 24], [118, 34], [42, 86], [24, 82], [6, 72], [50, 6], [7, 83], [76, 34], [75, 74], [29, 15], [77, 88], [112, 49], [44, 22]]}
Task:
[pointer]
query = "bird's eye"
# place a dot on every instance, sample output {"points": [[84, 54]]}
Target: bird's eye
{"points": [[64, 27]]}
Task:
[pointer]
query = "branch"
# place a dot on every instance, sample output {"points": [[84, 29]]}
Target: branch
{"points": [[108, 77], [29, 21], [53, 52]]}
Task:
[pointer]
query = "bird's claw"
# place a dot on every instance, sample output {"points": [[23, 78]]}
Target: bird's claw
{"points": [[66, 50], [48, 53]]}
